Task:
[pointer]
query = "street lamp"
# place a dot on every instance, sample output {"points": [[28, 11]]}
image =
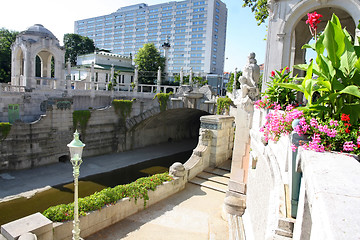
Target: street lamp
{"points": [[76, 148]]}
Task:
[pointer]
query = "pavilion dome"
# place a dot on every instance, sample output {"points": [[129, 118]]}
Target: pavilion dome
{"points": [[39, 30]]}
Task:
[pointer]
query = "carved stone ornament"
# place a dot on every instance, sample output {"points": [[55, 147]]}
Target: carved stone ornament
{"points": [[177, 170]]}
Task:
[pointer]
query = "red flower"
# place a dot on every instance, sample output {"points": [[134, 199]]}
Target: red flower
{"points": [[345, 118], [313, 19], [347, 130], [272, 73]]}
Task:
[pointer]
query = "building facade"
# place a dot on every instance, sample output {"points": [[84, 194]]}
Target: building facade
{"points": [[105, 68], [196, 30]]}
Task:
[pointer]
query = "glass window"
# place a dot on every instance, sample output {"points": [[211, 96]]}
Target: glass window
{"points": [[199, 9]]}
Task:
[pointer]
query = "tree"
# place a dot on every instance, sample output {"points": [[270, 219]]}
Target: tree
{"points": [[149, 59], [229, 85], [6, 39], [259, 7], [77, 45]]}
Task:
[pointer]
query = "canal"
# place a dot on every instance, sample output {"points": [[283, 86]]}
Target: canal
{"points": [[21, 207]]}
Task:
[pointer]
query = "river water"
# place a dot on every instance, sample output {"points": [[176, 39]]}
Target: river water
{"points": [[21, 207]]}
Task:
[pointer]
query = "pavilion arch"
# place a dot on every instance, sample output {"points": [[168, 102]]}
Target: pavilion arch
{"points": [[288, 31], [46, 75], [47, 64], [18, 71]]}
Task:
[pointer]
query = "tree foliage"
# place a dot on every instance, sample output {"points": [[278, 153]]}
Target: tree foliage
{"points": [[229, 85], [259, 8], [7, 37], [76, 45], [149, 59]]}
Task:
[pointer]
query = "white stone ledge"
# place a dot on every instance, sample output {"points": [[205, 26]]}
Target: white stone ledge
{"points": [[332, 192]]}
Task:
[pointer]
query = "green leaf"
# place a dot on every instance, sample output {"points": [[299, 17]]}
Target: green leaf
{"points": [[348, 58], [312, 46], [297, 87], [334, 39], [319, 45], [357, 64], [352, 90], [335, 20], [336, 85], [302, 67]]}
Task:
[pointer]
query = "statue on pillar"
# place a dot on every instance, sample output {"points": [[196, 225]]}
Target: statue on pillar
{"points": [[249, 80]]}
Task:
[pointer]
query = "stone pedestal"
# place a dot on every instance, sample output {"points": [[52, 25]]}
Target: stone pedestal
{"points": [[223, 135]]}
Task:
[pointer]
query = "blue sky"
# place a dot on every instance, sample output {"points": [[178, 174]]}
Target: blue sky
{"points": [[243, 34]]}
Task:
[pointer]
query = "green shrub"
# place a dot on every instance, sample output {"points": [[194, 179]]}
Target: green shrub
{"points": [[107, 196], [81, 117], [5, 128], [122, 107], [223, 104], [277, 93], [162, 99]]}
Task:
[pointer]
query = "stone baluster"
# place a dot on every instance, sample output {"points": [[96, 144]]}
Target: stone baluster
{"points": [[112, 77], [158, 82], [68, 76], [136, 79], [181, 76], [234, 82], [190, 77]]}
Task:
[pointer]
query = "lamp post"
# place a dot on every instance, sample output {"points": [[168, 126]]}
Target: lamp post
{"points": [[76, 148]]}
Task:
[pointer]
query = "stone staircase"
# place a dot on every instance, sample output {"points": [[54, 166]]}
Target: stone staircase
{"points": [[215, 178]]}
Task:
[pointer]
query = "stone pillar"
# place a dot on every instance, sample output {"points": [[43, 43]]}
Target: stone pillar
{"points": [[136, 79], [112, 77], [234, 83], [235, 200], [92, 76], [190, 77], [181, 76], [222, 130], [158, 82], [68, 76]]}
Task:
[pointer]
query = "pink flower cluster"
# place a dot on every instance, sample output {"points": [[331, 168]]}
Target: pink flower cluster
{"points": [[279, 122], [264, 103], [315, 144]]}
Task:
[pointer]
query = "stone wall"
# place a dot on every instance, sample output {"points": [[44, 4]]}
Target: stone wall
{"points": [[45, 140]]}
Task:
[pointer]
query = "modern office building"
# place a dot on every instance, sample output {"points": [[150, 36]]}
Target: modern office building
{"points": [[196, 30]]}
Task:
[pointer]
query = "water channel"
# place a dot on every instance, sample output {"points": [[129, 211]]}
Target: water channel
{"points": [[21, 207]]}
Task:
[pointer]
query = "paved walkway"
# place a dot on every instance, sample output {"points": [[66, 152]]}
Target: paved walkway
{"points": [[27, 182], [194, 214]]}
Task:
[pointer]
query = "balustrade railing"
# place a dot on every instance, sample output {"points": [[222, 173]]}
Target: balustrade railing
{"points": [[121, 87], [4, 87], [45, 83]]}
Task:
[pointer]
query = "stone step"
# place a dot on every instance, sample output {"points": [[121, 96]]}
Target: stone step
{"points": [[209, 184], [225, 166], [2, 237], [218, 171], [281, 234], [213, 178]]}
